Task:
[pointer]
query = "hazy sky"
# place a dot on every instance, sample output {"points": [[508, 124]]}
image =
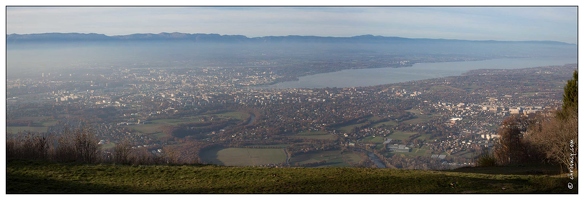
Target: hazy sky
{"points": [[472, 23]]}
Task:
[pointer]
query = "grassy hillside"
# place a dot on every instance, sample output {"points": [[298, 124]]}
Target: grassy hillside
{"points": [[45, 177]]}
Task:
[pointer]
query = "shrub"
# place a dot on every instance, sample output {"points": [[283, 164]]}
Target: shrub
{"points": [[486, 160], [122, 152], [86, 146]]}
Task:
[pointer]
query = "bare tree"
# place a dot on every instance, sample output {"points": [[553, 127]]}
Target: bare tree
{"points": [[86, 145], [122, 152], [558, 139]]}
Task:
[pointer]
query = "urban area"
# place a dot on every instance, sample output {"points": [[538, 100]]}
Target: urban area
{"points": [[222, 115]]}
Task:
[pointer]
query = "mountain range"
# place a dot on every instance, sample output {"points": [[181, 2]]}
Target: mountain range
{"points": [[202, 37]]}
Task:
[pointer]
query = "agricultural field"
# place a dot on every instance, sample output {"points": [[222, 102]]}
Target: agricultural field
{"points": [[420, 117], [332, 159], [39, 124], [424, 136], [414, 152], [243, 156], [371, 139], [466, 154], [234, 114], [349, 128], [387, 123], [269, 146], [16, 129], [320, 135], [154, 128], [400, 135]]}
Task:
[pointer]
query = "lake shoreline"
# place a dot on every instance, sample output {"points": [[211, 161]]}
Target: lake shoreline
{"points": [[418, 71]]}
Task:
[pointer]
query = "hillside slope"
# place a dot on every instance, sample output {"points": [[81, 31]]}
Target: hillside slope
{"points": [[43, 177]]}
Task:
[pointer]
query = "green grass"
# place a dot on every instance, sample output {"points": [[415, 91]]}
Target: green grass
{"points": [[24, 177], [320, 135], [49, 123], [109, 145], [155, 125], [147, 128], [16, 129], [387, 123], [176, 121], [400, 135], [414, 152], [270, 145], [424, 136], [420, 118], [333, 158], [234, 114], [349, 128], [243, 156], [371, 139]]}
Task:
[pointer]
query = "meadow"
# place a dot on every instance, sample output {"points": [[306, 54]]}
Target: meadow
{"points": [[36, 177], [319, 135], [243, 156]]}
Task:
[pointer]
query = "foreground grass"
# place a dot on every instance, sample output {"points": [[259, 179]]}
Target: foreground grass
{"points": [[45, 177]]}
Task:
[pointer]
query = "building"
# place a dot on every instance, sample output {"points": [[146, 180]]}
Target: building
{"points": [[398, 148]]}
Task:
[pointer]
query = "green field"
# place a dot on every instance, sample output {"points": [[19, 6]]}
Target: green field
{"points": [[349, 128], [320, 135], [465, 154], [31, 177], [420, 118], [333, 158], [147, 128], [243, 156], [271, 145], [155, 126], [424, 137], [234, 114], [49, 123], [39, 124], [109, 145], [387, 123], [400, 135], [416, 152], [16, 129], [371, 139]]}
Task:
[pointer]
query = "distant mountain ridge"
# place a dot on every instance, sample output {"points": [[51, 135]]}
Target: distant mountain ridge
{"points": [[203, 37]]}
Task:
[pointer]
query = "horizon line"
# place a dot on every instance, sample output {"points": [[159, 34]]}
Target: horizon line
{"points": [[474, 40]]}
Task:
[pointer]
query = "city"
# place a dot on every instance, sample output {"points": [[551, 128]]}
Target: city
{"points": [[428, 124]]}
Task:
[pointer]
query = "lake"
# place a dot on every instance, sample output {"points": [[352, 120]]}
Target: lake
{"points": [[419, 71]]}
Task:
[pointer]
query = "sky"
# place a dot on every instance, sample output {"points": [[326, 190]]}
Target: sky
{"points": [[467, 23]]}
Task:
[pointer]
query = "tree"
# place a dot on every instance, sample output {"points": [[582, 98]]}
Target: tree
{"points": [[122, 152], [511, 148], [570, 100], [557, 139], [86, 145]]}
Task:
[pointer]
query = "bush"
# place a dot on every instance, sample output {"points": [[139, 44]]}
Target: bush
{"points": [[27, 146], [86, 146], [122, 152], [486, 160]]}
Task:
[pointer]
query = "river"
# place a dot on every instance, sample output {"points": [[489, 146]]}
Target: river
{"points": [[419, 71]]}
